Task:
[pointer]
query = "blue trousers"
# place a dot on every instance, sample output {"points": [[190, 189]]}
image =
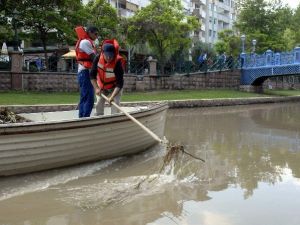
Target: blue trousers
{"points": [[86, 89]]}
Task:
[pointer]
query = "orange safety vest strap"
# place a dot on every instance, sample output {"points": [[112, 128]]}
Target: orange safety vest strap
{"points": [[82, 57]]}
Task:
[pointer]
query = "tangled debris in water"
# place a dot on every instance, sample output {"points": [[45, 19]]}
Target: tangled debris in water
{"points": [[173, 152], [7, 116]]}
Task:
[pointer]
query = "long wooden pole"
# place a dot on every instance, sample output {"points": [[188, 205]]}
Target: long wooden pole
{"points": [[135, 120]]}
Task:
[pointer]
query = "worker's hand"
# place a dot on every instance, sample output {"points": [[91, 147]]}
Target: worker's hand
{"points": [[98, 91], [110, 100]]}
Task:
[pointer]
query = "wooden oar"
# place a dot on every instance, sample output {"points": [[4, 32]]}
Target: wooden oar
{"points": [[172, 150], [135, 120]]}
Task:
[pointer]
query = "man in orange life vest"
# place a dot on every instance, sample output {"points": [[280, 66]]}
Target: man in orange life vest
{"points": [[85, 54], [107, 75]]}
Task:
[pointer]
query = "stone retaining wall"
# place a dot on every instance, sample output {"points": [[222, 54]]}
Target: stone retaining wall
{"points": [[5, 81], [224, 79], [284, 82], [61, 82], [172, 104], [67, 82]]}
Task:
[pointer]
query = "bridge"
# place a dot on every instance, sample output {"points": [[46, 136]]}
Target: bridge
{"points": [[258, 68]]}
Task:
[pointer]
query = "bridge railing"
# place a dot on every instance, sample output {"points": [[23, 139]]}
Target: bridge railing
{"points": [[270, 58], [211, 64]]}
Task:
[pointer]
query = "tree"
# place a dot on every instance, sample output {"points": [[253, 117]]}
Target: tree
{"points": [[104, 17], [229, 42], [296, 25], [6, 32], [46, 16], [289, 38], [221, 46], [200, 48], [266, 22], [164, 26]]}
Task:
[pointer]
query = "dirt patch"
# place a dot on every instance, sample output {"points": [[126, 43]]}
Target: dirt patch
{"points": [[7, 116]]}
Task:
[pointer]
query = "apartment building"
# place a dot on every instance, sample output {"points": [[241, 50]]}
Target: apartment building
{"points": [[214, 15], [127, 8]]}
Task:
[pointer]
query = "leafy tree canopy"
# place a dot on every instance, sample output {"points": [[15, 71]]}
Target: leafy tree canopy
{"points": [[289, 38], [296, 25], [229, 42], [164, 26], [104, 17], [46, 16], [200, 48], [5, 31], [265, 21]]}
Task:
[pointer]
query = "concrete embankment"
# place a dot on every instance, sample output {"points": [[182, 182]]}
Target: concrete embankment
{"points": [[172, 104], [230, 101]]}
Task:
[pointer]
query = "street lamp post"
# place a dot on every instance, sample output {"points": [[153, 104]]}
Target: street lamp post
{"points": [[243, 54], [14, 23], [254, 44], [243, 38], [213, 22]]}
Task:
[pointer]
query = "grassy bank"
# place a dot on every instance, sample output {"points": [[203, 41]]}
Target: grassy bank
{"points": [[32, 98]]}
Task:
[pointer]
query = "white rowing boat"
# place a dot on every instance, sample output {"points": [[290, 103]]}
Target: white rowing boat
{"points": [[57, 139]]}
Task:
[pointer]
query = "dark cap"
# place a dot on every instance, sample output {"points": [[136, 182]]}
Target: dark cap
{"points": [[109, 50], [92, 29]]}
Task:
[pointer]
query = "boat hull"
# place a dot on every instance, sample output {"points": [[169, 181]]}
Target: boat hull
{"points": [[32, 147]]}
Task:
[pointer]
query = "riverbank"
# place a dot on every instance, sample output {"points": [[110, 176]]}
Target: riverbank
{"points": [[187, 103], [38, 98]]}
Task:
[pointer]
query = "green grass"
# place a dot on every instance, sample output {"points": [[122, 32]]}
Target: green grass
{"points": [[32, 98], [186, 94], [283, 92]]}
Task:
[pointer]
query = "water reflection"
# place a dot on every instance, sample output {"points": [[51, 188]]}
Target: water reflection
{"points": [[250, 177], [251, 144]]}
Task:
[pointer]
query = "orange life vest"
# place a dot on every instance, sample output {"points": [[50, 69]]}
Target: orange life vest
{"points": [[82, 57], [106, 78]]}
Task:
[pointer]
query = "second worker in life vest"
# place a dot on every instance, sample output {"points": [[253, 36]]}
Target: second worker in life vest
{"points": [[107, 75], [85, 54]]}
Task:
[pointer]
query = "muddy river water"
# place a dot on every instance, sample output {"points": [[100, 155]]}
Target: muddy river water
{"points": [[251, 176]]}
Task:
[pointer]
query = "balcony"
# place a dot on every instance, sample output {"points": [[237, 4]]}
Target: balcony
{"points": [[131, 6], [199, 12], [196, 38], [196, 12], [125, 13], [224, 18]]}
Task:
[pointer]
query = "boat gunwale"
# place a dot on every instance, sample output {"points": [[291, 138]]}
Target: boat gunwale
{"points": [[40, 126]]}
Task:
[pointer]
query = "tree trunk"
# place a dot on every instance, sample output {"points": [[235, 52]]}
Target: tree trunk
{"points": [[162, 63], [162, 67], [44, 43]]}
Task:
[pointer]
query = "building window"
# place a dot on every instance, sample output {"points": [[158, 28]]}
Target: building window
{"points": [[122, 6]]}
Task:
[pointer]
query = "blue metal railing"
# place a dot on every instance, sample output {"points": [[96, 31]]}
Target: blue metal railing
{"points": [[270, 58], [258, 68]]}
